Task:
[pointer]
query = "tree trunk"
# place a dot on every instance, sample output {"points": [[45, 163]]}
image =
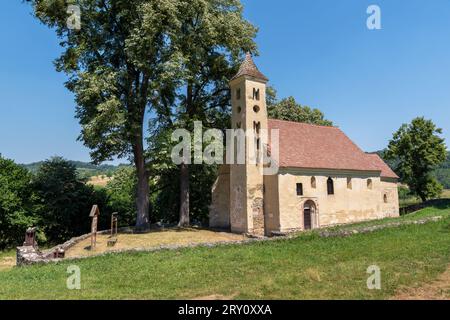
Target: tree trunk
{"points": [[142, 201], [184, 170], [184, 196]]}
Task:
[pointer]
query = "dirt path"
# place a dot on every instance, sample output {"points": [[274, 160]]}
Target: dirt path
{"points": [[151, 239], [7, 263], [439, 289]]}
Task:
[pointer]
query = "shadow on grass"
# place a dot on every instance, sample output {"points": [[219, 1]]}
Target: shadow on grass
{"points": [[441, 204]]}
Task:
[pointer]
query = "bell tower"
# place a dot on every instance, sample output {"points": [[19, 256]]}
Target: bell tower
{"points": [[249, 116]]}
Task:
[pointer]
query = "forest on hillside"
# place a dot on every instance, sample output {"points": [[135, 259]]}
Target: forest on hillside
{"points": [[85, 170]]}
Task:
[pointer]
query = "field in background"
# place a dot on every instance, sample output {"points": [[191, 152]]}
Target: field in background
{"points": [[99, 181]]}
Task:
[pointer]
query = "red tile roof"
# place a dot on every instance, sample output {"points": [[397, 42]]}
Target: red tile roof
{"points": [[386, 171], [319, 147], [249, 68]]}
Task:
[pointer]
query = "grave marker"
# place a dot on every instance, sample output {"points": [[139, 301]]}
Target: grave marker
{"points": [[113, 237], [95, 212], [30, 238]]}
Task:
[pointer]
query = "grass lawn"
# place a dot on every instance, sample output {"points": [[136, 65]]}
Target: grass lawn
{"points": [[306, 267]]}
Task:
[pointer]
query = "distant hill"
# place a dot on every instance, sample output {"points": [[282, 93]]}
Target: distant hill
{"points": [[84, 169], [442, 173]]}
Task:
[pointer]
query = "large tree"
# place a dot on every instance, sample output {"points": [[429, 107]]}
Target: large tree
{"points": [[121, 63], [212, 37], [418, 148], [132, 56]]}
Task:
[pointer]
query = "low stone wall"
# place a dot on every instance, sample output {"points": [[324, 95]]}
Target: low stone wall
{"points": [[349, 232], [28, 255]]}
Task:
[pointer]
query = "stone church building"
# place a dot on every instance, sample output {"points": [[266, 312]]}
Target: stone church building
{"points": [[324, 178]]}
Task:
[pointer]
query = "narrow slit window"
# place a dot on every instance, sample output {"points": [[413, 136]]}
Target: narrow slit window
{"points": [[256, 95], [238, 94], [330, 186], [369, 184], [313, 182], [299, 189]]}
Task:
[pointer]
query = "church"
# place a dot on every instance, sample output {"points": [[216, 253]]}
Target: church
{"points": [[324, 179]]}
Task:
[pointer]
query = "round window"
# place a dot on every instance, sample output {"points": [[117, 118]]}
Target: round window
{"points": [[256, 109]]}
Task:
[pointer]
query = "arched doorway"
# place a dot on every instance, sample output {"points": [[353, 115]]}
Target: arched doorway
{"points": [[309, 211]]}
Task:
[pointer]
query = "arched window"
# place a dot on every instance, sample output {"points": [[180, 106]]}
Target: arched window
{"points": [[385, 198], [349, 183], [313, 182], [330, 186], [256, 94], [369, 184], [257, 127]]}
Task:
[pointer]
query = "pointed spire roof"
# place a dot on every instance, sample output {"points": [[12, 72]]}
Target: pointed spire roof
{"points": [[249, 68]]}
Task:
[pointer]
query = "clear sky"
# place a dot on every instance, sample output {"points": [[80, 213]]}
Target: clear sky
{"points": [[319, 51]]}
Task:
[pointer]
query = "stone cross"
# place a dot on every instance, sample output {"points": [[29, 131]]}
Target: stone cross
{"points": [[95, 212]]}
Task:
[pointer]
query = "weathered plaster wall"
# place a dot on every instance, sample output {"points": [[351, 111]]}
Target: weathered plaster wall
{"points": [[271, 204], [389, 188], [219, 211], [351, 202]]}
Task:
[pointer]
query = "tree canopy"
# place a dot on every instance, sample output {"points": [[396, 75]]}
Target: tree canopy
{"points": [[132, 59], [288, 109], [63, 200], [418, 149]]}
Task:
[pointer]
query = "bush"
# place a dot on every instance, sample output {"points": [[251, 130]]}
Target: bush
{"points": [[16, 203], [121, 195], [64, 201]]}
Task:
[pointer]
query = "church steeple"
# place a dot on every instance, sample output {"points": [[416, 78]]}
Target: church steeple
{"points": [[249, 113], [249, 68]]}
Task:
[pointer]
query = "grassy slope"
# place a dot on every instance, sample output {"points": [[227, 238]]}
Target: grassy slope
{"points": [[305, 267]]}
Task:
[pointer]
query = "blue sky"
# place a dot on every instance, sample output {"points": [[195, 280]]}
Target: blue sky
{"points": [[319, 51]]}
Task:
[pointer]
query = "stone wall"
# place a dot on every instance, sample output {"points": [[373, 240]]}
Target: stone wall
{"points": [[27, 255]]}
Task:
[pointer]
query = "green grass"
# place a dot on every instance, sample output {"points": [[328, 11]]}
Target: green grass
{"points": [[306, 267]]}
